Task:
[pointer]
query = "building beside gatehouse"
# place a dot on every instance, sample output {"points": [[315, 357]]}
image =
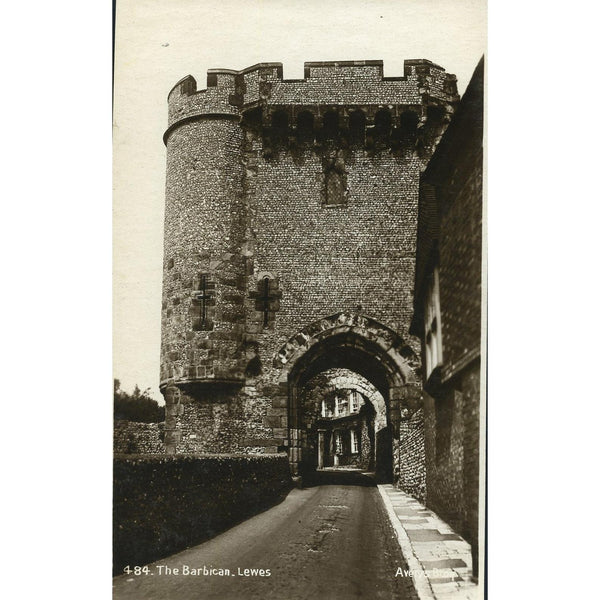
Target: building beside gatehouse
{"points": [[289, 261], [447, 315]]}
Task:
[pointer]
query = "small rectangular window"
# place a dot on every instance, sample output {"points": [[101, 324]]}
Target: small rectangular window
{"points": [[354, 441]]}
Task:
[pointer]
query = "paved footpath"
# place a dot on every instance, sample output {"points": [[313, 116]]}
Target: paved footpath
{"points": [[438, 559], [326, 542]]}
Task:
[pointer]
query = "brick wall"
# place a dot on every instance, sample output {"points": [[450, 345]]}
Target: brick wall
{"points": [[460, 269], [444, 462], [409, 459], [450, 237], [453, 468], [130, 437], [454, 487], [151, 493], [330, 259], [471, 383]]}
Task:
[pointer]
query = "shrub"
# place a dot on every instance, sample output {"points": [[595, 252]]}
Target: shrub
{"points": [[138, 406], [164, 504]]}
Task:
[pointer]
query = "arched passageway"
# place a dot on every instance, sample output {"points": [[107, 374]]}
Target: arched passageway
{"points": [[341, 415], [359, 345]]}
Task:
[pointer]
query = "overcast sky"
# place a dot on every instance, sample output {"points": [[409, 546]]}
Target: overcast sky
{"points": [[160, 41]]}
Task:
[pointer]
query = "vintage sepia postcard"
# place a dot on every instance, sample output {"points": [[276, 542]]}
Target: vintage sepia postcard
{"points": [[299, 299]]}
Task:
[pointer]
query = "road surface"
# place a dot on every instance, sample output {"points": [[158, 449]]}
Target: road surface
{"points": [[325, 542]]}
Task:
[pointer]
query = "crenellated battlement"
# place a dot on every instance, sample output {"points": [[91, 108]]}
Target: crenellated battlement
{"points": [[332, 84]]}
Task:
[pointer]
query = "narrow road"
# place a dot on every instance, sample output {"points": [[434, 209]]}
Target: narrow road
{"points": [[325, 542]]}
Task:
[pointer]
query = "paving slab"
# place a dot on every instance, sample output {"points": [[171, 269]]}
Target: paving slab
{"points": [[439, 557], [431, 535], [434, 580], [444, 564]]}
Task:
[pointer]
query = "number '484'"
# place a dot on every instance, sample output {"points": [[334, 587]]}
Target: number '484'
{"points": [[136, 570]]}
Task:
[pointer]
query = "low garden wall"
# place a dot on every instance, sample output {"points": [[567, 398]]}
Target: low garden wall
{"points": [[164, 504], [131, 437]]}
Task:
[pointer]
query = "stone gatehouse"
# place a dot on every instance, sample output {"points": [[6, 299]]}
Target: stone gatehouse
{"points": [[289, 260]]}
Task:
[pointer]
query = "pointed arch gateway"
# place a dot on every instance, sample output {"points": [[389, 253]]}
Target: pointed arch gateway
{"points": [[365, 346]]}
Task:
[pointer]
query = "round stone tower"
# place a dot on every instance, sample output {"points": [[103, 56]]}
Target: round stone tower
{"points": [[204, 279]]}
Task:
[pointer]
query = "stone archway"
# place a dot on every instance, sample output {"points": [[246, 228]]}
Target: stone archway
{"points": [[340, 407], [359, 343]]}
